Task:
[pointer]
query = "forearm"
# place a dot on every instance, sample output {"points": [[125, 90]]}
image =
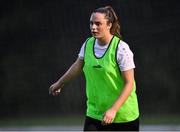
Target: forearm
{"points": [[123, 96], [111, 113], [71, 73]]}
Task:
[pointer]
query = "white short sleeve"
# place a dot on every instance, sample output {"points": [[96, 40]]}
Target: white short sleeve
{"points": [[125, 57], [81, 53]]}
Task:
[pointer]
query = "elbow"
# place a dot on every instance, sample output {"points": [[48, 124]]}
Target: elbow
{"points": [[129, 85]]}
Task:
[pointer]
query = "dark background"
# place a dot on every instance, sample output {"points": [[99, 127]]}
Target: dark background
{"points": [[40, 39]]}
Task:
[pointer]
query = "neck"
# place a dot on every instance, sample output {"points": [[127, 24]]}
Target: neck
{"points": [[105, 40]]}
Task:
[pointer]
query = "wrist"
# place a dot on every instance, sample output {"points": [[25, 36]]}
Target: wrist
{"points": [[115, 108], [61, 82]]}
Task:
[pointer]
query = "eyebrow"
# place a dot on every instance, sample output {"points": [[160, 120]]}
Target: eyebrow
{"points": [[96, 22]]}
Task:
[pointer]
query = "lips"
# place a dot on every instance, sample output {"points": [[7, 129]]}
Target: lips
{"points": [[94, 33]]}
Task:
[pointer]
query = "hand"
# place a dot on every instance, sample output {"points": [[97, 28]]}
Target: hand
{"points": [[109, 116], [55, 88]]}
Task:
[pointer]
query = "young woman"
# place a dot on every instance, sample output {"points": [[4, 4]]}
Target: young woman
{"points": [[108, 65]]}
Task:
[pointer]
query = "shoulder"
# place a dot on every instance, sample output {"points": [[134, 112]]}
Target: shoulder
{"points": [[86, 41], [123, 45], [125, 56], [90, 39], [124, 49], [83, 47]]}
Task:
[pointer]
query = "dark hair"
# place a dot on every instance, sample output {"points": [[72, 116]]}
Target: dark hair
{"points": [[111, 16]]}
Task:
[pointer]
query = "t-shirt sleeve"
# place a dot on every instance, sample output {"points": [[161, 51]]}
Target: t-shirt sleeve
{"points": [[125, 57], [81, 52]]}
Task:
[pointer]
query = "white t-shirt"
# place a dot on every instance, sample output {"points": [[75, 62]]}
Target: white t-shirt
{"points": [[124, 54]]}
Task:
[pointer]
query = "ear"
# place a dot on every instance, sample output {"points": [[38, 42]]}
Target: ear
{"points": [[109, 25]]}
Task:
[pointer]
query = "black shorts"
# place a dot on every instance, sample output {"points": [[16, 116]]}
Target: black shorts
{"points": [[95, 125]]}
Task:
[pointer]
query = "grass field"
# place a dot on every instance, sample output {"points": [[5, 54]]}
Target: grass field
{"points": [[75, 122]]}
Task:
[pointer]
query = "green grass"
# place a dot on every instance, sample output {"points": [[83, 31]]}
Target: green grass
{"points": [[79, 120], [160, 119], [42, 121]]}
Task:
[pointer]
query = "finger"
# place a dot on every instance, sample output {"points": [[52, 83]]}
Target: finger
{"points": [[50, 89], [104, 121], [107, 121], [58, 91], [112, 120], [53, 93]]}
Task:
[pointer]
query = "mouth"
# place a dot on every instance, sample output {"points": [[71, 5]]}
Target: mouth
{"points": [[94, 33]]}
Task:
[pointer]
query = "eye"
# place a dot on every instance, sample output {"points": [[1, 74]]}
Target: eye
{"points": [[91, 23], [98, 23]]}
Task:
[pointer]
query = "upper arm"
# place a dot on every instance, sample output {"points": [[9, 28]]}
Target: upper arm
{"points": [[79, 64], [81, 52], [128, 76], [125, 57]]}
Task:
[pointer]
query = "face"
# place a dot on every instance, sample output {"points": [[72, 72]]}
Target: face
{"points": [[99, 26]]}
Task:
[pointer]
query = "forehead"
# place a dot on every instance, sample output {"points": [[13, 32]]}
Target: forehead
{"points": [[97, 17]]}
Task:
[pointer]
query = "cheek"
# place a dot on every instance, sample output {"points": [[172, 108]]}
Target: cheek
{"points": [[101, 29]]}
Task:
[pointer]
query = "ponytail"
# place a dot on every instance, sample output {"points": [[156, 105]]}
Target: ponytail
{"points": [[115, 29]]}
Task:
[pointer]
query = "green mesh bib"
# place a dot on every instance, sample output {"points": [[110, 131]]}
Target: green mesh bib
{"points": [[104, 84]]}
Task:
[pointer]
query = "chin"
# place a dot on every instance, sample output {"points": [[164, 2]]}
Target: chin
{"points": [[96, 36]]}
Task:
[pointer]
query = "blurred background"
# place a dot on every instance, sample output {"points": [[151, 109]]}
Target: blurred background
{"points": [[40, 39]]}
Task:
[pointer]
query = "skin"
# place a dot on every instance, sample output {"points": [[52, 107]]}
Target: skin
{"points": [[100, 29]]}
